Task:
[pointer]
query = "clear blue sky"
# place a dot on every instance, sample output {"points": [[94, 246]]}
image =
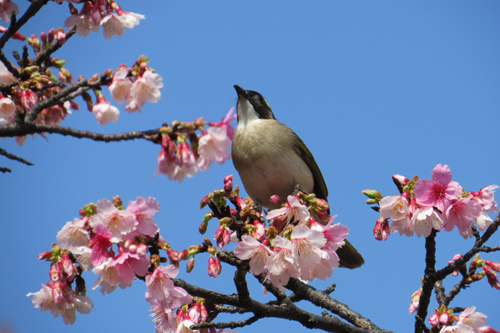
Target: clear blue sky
{"points": [[374, 88]]}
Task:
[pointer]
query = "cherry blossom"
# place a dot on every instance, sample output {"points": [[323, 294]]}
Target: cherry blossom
{"points": [[105, 112], [213, 146], [293, 210], [258, 253], [185, 163], [120, 86], [143, 209], [118, 222], [7, 7], [7, 109], [164, 318], [281, 265], [159, 283], [425, 219], [65, 305], [439, 191], [462, 214], [145, 88], [469, 321], [73, 236]]}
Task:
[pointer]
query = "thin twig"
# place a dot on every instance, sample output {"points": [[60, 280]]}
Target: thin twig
{"points": [[14, 157]]}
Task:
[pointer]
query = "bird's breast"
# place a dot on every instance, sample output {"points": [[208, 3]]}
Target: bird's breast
{"points": [[265, 156]]}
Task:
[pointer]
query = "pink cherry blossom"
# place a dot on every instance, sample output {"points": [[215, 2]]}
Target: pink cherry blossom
{"points": [[486, 197], [66, 305], [462, 214], [470, 321], [53, 115], [131, 264], [100, 244], [280, 266], [185, 163], [394, 207], [415, 301], [5, 75], [105, 112], [404, 226], [118, 222], [88, 19], [483, 221], [164, 318], [143, 210], [293, 209], [109, 276], [306, 250], [184, 327], [166, 158], [425, 219], [7, 7], [145, 88], [159, 283], [73, 236], [7, 109], [213, 146], [439, 191], [120, 86], [225, 123], [258, 253]]}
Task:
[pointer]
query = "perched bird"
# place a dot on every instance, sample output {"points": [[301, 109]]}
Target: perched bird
{"points": [[271, 159]]}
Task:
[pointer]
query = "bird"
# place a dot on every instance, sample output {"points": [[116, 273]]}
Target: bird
{"points": [[271, 159]]}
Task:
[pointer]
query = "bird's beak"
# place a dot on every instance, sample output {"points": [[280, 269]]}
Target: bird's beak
{"points": [[241, 92]]}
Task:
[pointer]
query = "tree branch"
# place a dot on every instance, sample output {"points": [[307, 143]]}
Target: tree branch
{"points": [[35, 6], [14, 157], [13, 129]]}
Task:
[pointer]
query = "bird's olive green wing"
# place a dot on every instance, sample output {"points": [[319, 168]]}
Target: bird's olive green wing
{"points": [[320, 188]]}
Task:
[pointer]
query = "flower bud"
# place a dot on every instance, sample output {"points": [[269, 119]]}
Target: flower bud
{"points": [[190, 265], [275, 199], [203, 227]]}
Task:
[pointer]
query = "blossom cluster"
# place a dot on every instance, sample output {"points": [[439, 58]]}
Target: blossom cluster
{"points": [[468, 321], [134, 86], [184, 152], [294, 245], [108, 239], [107, 14], [44, 78], [438, 203]]}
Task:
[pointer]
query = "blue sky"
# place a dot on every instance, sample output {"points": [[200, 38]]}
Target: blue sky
{"points": [[374, 88]]}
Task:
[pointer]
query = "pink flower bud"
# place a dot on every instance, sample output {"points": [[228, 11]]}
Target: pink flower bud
{"points": [[434, 319], [190, 265], [275, 199], [494, 265], [382, 229], [444, 318]]}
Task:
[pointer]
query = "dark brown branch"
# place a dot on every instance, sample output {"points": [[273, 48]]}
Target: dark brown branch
{"points": [[14, 157], [5, 170], [432, 276], [321, 299], [13, 129], [489, 249], [61, 97], [428, 281], [35, 6]]}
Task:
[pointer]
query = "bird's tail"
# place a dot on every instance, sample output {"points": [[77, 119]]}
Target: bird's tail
{"points": [[349, 256]]}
